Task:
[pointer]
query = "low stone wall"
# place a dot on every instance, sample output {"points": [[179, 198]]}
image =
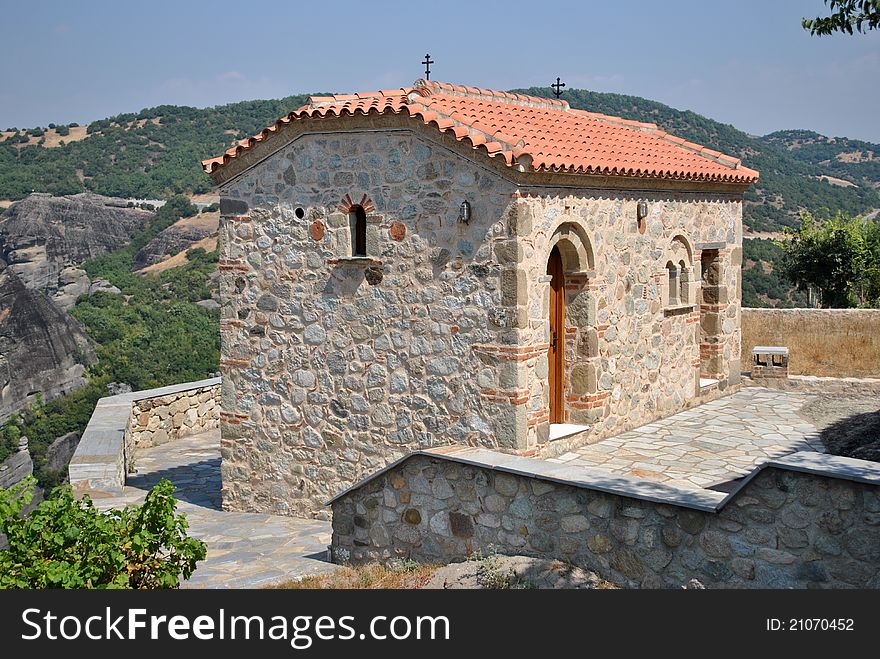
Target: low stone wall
{"points": [[806, 521], [810, 384], [158, 420], [141, 418], [821, 342]]}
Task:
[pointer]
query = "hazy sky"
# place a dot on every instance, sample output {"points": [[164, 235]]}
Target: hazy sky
{"points": [[745, 62]]}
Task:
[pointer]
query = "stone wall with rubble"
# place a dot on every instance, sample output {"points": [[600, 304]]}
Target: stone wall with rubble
{"points": [[334, 366], [156, 421], [784, 529], [632, 351]]}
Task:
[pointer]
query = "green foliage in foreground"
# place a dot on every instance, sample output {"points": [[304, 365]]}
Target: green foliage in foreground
{"points": [[68, 543], [837, 256], [846, 15]]}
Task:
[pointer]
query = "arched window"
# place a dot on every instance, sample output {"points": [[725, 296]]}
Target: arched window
{"points": [[683, 283], [672, 270], [358, 221]]}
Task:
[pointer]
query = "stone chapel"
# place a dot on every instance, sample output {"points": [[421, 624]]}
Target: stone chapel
{"points": [[442, 264]]}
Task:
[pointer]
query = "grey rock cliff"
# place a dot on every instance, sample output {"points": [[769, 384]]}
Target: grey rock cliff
{"points": [[41, 347], [60, 451], [180, 236], [41, 236], [17, 466]]}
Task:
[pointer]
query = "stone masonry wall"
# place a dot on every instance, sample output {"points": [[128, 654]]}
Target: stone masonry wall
{"points": [[335, 366], [120, 423], [631, 355], [332, 366], [784, 529], [156, 421]]}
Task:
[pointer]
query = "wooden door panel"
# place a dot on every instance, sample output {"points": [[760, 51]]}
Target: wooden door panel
{"points": [[556, 352]]}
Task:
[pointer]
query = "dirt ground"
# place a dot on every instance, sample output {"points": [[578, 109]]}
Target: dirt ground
{"points": [[849, 425]]}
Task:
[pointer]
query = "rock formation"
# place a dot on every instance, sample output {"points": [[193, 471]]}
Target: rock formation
{"points": [[59, 452], [17, 466], [180, 236], [42, 349], [42, 236]]}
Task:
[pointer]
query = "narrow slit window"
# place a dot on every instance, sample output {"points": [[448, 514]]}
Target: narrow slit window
{"points": [[683, 284], [673, 283], [358, 231]]}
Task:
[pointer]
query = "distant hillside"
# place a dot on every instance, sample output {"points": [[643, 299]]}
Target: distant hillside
{"points": [[156, 152], [851, 161], [147, 155]]}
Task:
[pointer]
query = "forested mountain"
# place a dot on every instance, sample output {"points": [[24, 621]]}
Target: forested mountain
{"points": [[149, 155], [156, 152]]}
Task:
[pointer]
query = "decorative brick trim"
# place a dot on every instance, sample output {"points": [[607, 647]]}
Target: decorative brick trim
{"points": [[589, 401], [346, 204], [506, 353], [232, 264], [233, 418], [538, 417], [514, 397], [235, 362]]}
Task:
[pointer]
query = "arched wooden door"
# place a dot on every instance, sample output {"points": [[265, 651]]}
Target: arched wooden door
{"points": [[556, 352]]}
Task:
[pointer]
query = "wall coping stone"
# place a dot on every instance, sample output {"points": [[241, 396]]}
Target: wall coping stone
{"points": [[769, 350], [99, 461], [861, 471]]}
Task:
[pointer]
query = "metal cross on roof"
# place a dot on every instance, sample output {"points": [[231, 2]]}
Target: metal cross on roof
{"points": [[428, 62], [557, 87]]}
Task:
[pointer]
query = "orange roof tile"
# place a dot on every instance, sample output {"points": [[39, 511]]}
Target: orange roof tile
{"points": [[527, 132]]}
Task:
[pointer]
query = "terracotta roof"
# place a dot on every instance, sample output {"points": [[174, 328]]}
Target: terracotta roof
{"points": [[526, 132]]}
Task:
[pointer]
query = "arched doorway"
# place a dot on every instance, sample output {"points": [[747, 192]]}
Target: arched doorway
{"points": [[556, 351]]}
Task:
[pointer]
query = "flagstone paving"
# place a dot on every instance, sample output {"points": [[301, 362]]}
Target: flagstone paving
{"points": [[700, 448], [245, 550], [708, 445]]}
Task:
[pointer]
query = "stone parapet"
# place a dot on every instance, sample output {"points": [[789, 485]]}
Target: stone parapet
{"points": [[806, 520], [151, 417]]}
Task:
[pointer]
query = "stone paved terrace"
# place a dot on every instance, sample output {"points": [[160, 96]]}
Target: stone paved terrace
{"points": [[245, 550], [705, 447], [708, 445]]}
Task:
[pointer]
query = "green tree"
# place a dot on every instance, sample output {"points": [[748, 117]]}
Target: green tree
{"points": [[838, 257], [68, 543], [846, 16]]}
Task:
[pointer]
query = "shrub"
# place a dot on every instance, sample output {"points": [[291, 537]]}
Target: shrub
{"points": [[68, 543]]}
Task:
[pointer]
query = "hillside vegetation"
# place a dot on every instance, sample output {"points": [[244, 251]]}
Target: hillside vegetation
{"points": [[156, 152], [152, 334], [149, 154]]}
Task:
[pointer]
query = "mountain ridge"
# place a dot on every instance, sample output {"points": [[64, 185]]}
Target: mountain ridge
{"points": [[156, 152]]}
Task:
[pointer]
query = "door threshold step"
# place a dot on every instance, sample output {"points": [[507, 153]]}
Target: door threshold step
{"points": [[562, 430]]}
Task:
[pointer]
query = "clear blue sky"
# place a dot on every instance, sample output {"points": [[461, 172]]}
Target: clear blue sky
{"points": [[745, 62]]}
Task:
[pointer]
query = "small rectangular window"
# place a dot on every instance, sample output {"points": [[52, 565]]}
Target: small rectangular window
{"points": [[359, 231]]}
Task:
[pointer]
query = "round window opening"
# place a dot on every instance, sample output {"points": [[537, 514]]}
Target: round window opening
{"points": [[300, 212]]}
